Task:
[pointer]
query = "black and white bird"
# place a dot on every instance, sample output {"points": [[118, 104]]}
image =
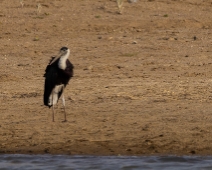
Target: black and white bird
{"points": [[57, 75]]}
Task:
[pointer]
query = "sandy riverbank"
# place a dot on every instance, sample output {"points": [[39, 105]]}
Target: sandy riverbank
{"points": [[142, 81]]}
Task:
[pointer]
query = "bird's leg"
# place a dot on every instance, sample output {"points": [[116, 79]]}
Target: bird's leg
{"points": [[52, 113], [63, 100], [52, 109]]}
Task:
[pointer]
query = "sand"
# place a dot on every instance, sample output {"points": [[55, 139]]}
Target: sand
{"points": [[142, 80]]}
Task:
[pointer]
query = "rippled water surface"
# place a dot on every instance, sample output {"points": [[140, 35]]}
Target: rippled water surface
{"points": [[60, 162]]}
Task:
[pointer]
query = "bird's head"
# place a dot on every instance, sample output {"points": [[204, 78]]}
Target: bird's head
{"points": [[63, 51]]}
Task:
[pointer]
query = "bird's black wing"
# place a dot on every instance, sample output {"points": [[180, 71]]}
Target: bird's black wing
{"points": [[50, 75], [67, 73], [69, 69], [48, 66]]}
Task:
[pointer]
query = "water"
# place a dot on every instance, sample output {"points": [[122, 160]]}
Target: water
{"points": [[62, 162]]}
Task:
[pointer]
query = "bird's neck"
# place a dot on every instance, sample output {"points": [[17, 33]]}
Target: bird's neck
{"points": [[62, 60]]}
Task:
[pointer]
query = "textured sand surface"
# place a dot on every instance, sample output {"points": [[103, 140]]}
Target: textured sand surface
{"points": [[142, 82]]}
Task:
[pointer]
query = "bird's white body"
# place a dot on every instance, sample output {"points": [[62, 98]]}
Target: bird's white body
{"points": [[53, 98], [62, 61]]}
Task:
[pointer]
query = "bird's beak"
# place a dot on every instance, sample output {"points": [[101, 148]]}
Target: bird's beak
{"points": [[56, 57], [60, 54]]}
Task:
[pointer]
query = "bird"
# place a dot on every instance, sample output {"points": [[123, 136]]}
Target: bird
{"points": [[57, 75]]}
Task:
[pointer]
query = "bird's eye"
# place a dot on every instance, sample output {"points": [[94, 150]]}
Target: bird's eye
{"points": [[64, 49]]}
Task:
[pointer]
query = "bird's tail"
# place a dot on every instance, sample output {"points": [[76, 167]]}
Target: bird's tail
{"points": [[46, 97], [51, 98]]}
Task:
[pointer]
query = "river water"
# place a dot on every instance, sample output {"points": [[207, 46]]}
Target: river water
{"points": [[63, 162]]}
